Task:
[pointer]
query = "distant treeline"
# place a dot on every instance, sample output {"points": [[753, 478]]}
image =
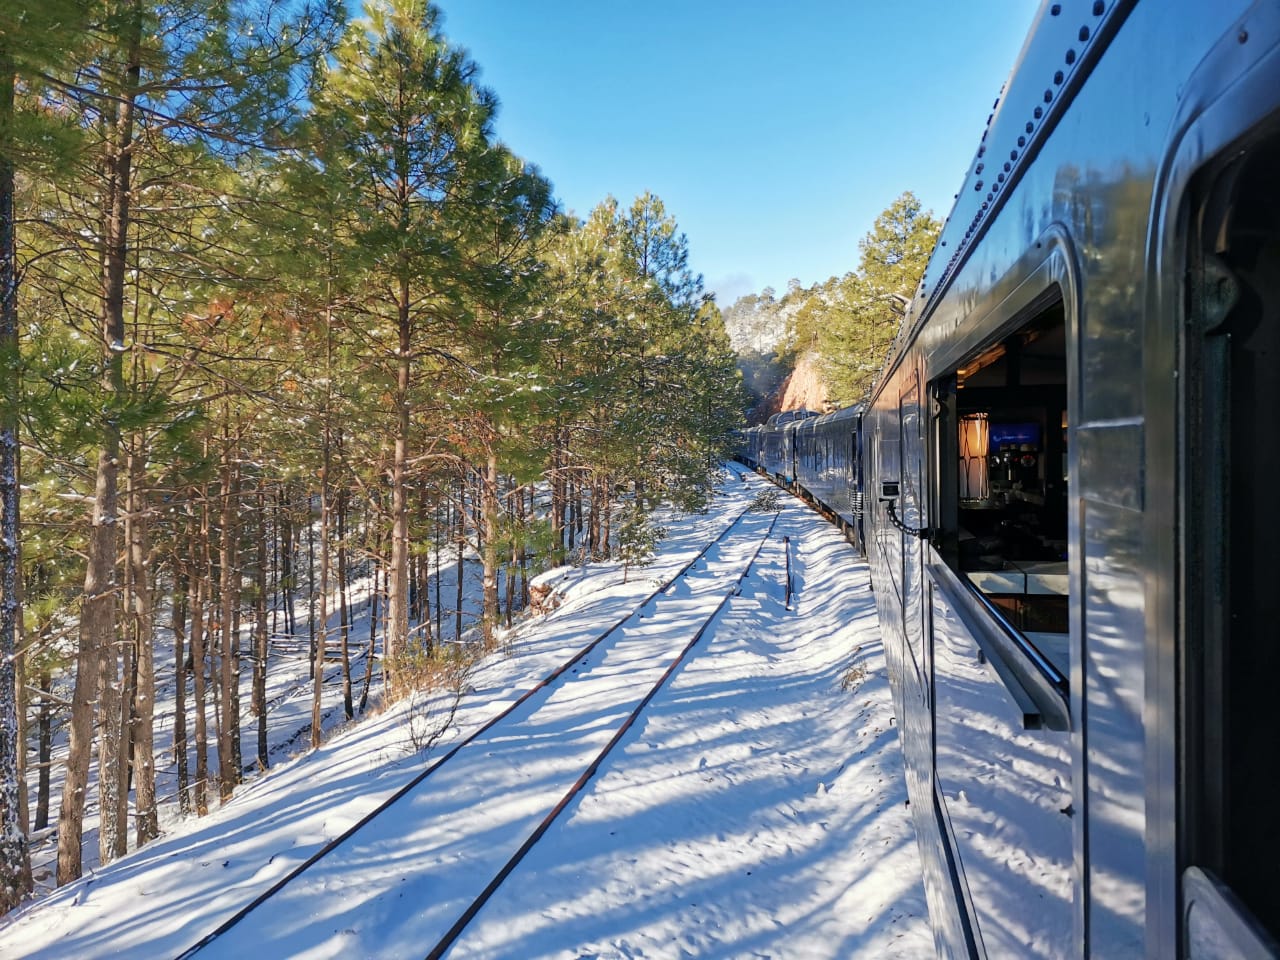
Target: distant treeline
{"points": [[845, 324]]}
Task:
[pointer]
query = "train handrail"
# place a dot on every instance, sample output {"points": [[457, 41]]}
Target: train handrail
{"points": [[1036, 685], [1218, 924]]}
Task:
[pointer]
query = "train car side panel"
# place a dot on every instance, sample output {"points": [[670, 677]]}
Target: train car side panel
{"points": [[1058, 539]]}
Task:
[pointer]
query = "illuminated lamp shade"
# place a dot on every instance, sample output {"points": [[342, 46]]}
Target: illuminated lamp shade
{"points": [[975, 434]]}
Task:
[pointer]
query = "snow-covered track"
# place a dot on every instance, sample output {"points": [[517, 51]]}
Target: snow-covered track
{"points": [[478, 903], [566, 670]]}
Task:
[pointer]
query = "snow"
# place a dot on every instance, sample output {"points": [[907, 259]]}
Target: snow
{"points": [[756, 808]]}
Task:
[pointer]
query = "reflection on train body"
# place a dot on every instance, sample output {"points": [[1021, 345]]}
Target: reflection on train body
{"points": [[1064, 484]]}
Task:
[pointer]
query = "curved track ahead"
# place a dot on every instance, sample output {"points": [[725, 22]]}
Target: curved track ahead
{"points": [[471, 825]]}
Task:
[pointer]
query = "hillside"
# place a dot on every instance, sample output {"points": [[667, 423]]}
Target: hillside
{"points": [[802, 389]]}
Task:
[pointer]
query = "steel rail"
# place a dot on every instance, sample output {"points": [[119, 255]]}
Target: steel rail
{"points": [[478, 903], [236, 918]]}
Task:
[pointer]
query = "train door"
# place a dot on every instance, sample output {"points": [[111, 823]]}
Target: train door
{"points": [[884, 549], [915, 598], [860, 479], [1230, 835], [1212, 465], [911, 513]]}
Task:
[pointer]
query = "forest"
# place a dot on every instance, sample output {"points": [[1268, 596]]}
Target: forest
{"points": [[839, 330], [278, 311]]}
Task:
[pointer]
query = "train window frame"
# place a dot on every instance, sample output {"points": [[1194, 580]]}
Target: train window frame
{"points": [[1228, 108], [1038, 681], [1230, 329]]}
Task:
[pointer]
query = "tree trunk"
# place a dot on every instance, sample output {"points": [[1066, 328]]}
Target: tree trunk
{"points": [[570, 521], [397, 634], [44, 755], [558, 493], [373, 622], [98, 609], [181, 582], [422, 579], [260, 632], [229, 590], [489, 522], [439, 546], [461, 543], [113, 796], [284, 519], [526, 514], [344, 604], [322, 633], [237, 757], [509, 585], [311, 589], [197, 666], [148, 823], [15, 864], [598, 551], [608, 517]]}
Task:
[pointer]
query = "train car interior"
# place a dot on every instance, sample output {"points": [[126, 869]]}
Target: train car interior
{"points": [[1005, 510]]}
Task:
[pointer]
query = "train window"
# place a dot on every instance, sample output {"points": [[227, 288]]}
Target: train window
{"points": [[1231, 657], [1004, 503]]}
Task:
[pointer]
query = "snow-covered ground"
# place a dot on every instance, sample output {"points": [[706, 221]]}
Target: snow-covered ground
{"points": [[757, 808]]}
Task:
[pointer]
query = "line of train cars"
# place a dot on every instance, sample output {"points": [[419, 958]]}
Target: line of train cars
{"points": [[816, 455], [1070, 464]]}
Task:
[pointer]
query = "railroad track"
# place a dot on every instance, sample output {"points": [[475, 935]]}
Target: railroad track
{"points": [[555, 736]]}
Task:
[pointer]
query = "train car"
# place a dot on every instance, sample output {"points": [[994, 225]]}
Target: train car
{"points": [[773, 455], [829, 466], [749, 446], [778, 444], [1072, 455]]}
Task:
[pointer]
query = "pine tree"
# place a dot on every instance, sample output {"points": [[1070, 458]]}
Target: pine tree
{"points": [[399, 110], [870, 303], [27, 46], [502, 337], [212, 76]]}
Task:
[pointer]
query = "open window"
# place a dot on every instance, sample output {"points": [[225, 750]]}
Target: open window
{"points": [[1001, 488]]}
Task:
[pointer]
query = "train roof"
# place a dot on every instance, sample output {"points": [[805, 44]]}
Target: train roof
{"points": [[848, 413], [787, 416], [1066, 39]]}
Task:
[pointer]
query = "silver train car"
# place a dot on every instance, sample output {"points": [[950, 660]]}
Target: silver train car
{"points": [[771, 448], [1070, 459], [818, 457]]}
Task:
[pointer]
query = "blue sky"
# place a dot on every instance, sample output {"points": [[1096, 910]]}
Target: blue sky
{"points": [[774, 133]]}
